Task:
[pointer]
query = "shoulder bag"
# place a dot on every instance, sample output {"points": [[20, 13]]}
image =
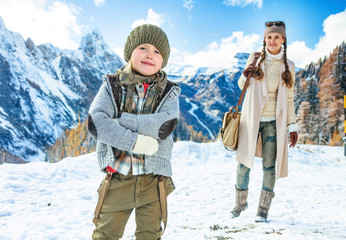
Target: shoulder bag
{"points": [[231, 119]]}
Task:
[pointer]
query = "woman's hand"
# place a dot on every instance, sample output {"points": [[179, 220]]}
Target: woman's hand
{"points": [[294, 138], [247, 70]]}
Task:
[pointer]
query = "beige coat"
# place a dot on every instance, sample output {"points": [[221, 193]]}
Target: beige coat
{"points": [[254, 101]]}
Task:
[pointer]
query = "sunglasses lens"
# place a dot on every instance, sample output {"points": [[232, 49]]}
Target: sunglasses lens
{"points": [[279, 23]]}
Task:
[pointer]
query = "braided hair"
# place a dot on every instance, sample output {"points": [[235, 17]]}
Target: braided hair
{"points": [[286, 75], [258, 73]]}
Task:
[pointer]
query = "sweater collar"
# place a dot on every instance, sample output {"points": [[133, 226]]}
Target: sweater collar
{"points": [[278, 56]]}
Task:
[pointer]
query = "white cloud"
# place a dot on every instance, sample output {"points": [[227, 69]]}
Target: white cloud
{"points": [[335, 34], [99, 2], [221, 53], [218, 54], [44, 21], [188, 4], [243, 3], [152, 18], [119, 51], [300, 54]]}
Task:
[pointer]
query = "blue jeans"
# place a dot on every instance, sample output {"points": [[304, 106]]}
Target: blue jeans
{"points": [[268, 137]]}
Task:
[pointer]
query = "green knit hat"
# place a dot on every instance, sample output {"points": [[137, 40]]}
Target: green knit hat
{"points": [[147, 33]]}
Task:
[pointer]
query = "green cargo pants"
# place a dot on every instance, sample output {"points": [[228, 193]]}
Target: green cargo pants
{"points": [[126, 193]]}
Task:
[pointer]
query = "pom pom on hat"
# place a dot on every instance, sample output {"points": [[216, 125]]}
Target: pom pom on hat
{"points": [[147, 33]]}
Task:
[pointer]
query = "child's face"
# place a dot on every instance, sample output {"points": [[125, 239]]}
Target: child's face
{"points": [[146, 59]]}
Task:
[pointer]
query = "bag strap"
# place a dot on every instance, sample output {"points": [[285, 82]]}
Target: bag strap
{"points": [[253, 64], [163, 202], [103, 192]]}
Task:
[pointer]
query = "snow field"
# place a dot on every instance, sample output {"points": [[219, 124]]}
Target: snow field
{"points": [[56, 201]]}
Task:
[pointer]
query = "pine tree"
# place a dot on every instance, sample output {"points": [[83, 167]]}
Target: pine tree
{"points": [[322, 85]]}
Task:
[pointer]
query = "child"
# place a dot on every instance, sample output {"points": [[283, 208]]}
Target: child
{"points": [[132, 118]]}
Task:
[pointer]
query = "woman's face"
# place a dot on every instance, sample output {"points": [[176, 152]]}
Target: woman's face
{"points": [[274, 42], [146, 59]]}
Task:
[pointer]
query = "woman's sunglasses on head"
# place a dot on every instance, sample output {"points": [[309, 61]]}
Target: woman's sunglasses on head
{"points": [[277, 23]]}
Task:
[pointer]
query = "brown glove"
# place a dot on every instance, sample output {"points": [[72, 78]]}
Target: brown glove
{"points": [[294, 138], [247, 71]]}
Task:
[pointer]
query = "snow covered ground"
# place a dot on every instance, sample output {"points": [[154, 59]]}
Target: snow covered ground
{"points": [[56, 201]]}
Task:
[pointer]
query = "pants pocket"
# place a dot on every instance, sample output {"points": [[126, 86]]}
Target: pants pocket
{"points": [[98, 190], [273, 124], [169, 185]]}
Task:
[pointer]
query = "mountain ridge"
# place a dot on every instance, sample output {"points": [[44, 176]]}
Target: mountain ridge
{"points": [[46, 91], [43, 89]]}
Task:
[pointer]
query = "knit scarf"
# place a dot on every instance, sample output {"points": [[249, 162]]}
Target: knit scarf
{"points": [[271, 57], [129, 79]]}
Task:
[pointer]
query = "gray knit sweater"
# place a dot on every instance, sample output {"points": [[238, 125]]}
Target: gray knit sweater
{"points": [[122, 133]]}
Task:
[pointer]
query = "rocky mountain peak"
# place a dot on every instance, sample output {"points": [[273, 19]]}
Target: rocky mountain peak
{"points": [[30, 44], [94, 50], [43, 90], [93, 44], [242, 56]]}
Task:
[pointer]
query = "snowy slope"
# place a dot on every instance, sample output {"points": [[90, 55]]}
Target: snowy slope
{"points": [[56, 201]]}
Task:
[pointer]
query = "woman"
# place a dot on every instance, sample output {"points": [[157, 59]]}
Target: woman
{"points": [[132, 118], [267, 114]]}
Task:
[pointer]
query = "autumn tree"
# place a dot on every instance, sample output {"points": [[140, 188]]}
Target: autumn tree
{"points": [[72, 143]]}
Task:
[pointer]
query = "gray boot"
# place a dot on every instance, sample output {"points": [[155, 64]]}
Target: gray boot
{"points": [[241, 203], [264, 205]]}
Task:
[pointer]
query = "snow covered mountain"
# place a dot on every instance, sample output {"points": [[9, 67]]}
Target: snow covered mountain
{"points": [[43, 89], [207, 93]]}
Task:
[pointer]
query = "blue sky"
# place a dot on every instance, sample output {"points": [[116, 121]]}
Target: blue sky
{"points": [[201, 32]]}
